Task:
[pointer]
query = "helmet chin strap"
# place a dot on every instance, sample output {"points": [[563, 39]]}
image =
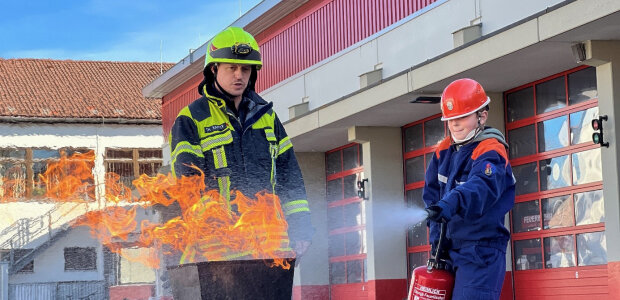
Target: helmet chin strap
{"points": [[227, 94]]}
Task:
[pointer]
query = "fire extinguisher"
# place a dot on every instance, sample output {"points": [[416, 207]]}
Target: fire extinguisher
{"points": [[433, 281]]}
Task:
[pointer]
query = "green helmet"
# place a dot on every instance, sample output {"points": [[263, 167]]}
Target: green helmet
{"points": [[233, 46]]}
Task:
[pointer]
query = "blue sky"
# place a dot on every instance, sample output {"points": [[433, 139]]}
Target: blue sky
{"points": [[114, 30]]}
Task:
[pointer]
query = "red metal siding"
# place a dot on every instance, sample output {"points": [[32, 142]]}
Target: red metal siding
{"points": [[177, 99], [313, 32], [320, 29]]}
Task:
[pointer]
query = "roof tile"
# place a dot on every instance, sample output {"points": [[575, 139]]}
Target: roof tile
{"points": [[78, 89]]}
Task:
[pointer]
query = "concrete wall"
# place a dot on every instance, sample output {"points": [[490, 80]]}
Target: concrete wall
{"points": [[406, 43], [313, 268], [383, 166]]}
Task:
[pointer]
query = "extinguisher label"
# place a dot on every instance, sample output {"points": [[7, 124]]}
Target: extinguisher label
{"points": [[426, 293]]}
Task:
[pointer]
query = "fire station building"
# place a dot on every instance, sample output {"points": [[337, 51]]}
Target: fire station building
{"points": [[349, 78]]}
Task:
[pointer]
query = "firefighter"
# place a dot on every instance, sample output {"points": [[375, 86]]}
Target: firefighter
{"points": [[235, 137], [470, 186]]}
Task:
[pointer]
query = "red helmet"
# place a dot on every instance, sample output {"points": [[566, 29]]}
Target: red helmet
{"points": [[461, 98]]}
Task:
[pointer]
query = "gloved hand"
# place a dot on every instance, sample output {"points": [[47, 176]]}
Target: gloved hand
{"points": [[436, 213]]}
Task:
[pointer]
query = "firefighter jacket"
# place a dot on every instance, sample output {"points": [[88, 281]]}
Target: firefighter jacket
{"points": [[250, 153], [474, 186]]}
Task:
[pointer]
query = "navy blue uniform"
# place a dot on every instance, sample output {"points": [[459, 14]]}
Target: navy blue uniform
{"points": [[474, 186]]}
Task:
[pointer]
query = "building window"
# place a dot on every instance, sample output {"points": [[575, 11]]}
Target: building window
{"points": [[420, 140], [129, 164], [16, 256], [558, 217], [345, 216], [20, 170], [80, 258]]}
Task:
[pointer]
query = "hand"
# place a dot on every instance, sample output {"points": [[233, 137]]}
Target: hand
{"points": [[436, 213], [300, 247]]}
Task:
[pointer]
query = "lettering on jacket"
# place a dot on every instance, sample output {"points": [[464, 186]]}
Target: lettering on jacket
{"points": [[213, 128]]}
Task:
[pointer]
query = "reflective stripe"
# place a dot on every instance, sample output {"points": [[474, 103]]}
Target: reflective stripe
{"points": [[185, 146], [270, 135], [219, 158], [442, 178], [285, 144], [217, 140], [223, 182], [295, 206]]}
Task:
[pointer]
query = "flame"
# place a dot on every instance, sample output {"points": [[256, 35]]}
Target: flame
{"points": [[207, 228], [70, 179]]}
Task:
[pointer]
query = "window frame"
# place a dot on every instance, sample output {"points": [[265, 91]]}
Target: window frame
{"points": [[420, 152], [29, 162], [135, 160], [343, 202], [570, 190]]}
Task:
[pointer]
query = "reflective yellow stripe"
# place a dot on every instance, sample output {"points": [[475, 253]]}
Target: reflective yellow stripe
{"points": [[285, 144], [219, 158], [217, 140], [295, 206], [290, 212], [269, 134], [185, 146], [224, 184]]}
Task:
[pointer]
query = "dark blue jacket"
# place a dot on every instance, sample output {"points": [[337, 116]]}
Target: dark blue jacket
{"points": [[474, 186]]}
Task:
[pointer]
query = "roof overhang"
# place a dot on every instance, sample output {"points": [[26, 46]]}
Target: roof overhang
{"points": [[526, 51], [256, 20]]}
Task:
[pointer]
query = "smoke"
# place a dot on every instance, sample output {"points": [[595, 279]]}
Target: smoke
{"points": [[391, 215]]}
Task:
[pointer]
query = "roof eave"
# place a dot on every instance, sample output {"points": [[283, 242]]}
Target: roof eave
{"points": [[97, 120]]}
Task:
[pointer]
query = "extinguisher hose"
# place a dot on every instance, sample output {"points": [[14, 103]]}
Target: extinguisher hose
{"points": [[436, 262]]}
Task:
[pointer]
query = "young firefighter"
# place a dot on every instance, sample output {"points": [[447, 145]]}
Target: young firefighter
{"points": [[236, 139], [469, 185]]}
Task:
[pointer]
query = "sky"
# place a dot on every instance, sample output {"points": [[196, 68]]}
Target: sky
{"points": [[113, 30]]}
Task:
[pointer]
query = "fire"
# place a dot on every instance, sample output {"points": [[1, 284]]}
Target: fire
{"points": [[207, 228]]}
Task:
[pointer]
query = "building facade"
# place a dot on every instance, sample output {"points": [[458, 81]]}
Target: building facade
{"points": [[343, 75]]}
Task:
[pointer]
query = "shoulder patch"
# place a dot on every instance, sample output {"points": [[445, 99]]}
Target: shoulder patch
{"points": [[490, 145], [443, 145]]}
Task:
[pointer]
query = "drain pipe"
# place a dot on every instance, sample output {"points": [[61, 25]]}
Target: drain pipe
{"points": [[4, 280]]}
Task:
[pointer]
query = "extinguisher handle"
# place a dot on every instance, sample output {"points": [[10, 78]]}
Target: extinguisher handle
{"points": [[436, 262]]}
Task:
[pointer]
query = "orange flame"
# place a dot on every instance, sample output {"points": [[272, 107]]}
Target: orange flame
{"points": [[206, 229], [70, 179]]}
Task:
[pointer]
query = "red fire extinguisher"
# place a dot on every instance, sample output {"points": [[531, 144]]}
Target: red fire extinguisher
{"points": [[433, 281]]}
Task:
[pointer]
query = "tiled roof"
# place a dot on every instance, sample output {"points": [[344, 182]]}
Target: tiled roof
{"points": [[43, 88]]}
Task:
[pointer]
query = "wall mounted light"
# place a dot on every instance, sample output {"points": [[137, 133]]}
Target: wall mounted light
{"points": [[361, 188]]}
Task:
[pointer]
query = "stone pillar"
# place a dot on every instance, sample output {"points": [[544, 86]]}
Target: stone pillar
{"points": [[386, 238], [605, 56], [312, 273]]}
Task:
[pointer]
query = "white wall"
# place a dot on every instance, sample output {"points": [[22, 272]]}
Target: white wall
{"points": [[421, 36], [49, 266]]}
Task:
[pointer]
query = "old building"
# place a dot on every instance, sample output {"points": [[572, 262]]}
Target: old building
{"points": [[54, 108]]}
